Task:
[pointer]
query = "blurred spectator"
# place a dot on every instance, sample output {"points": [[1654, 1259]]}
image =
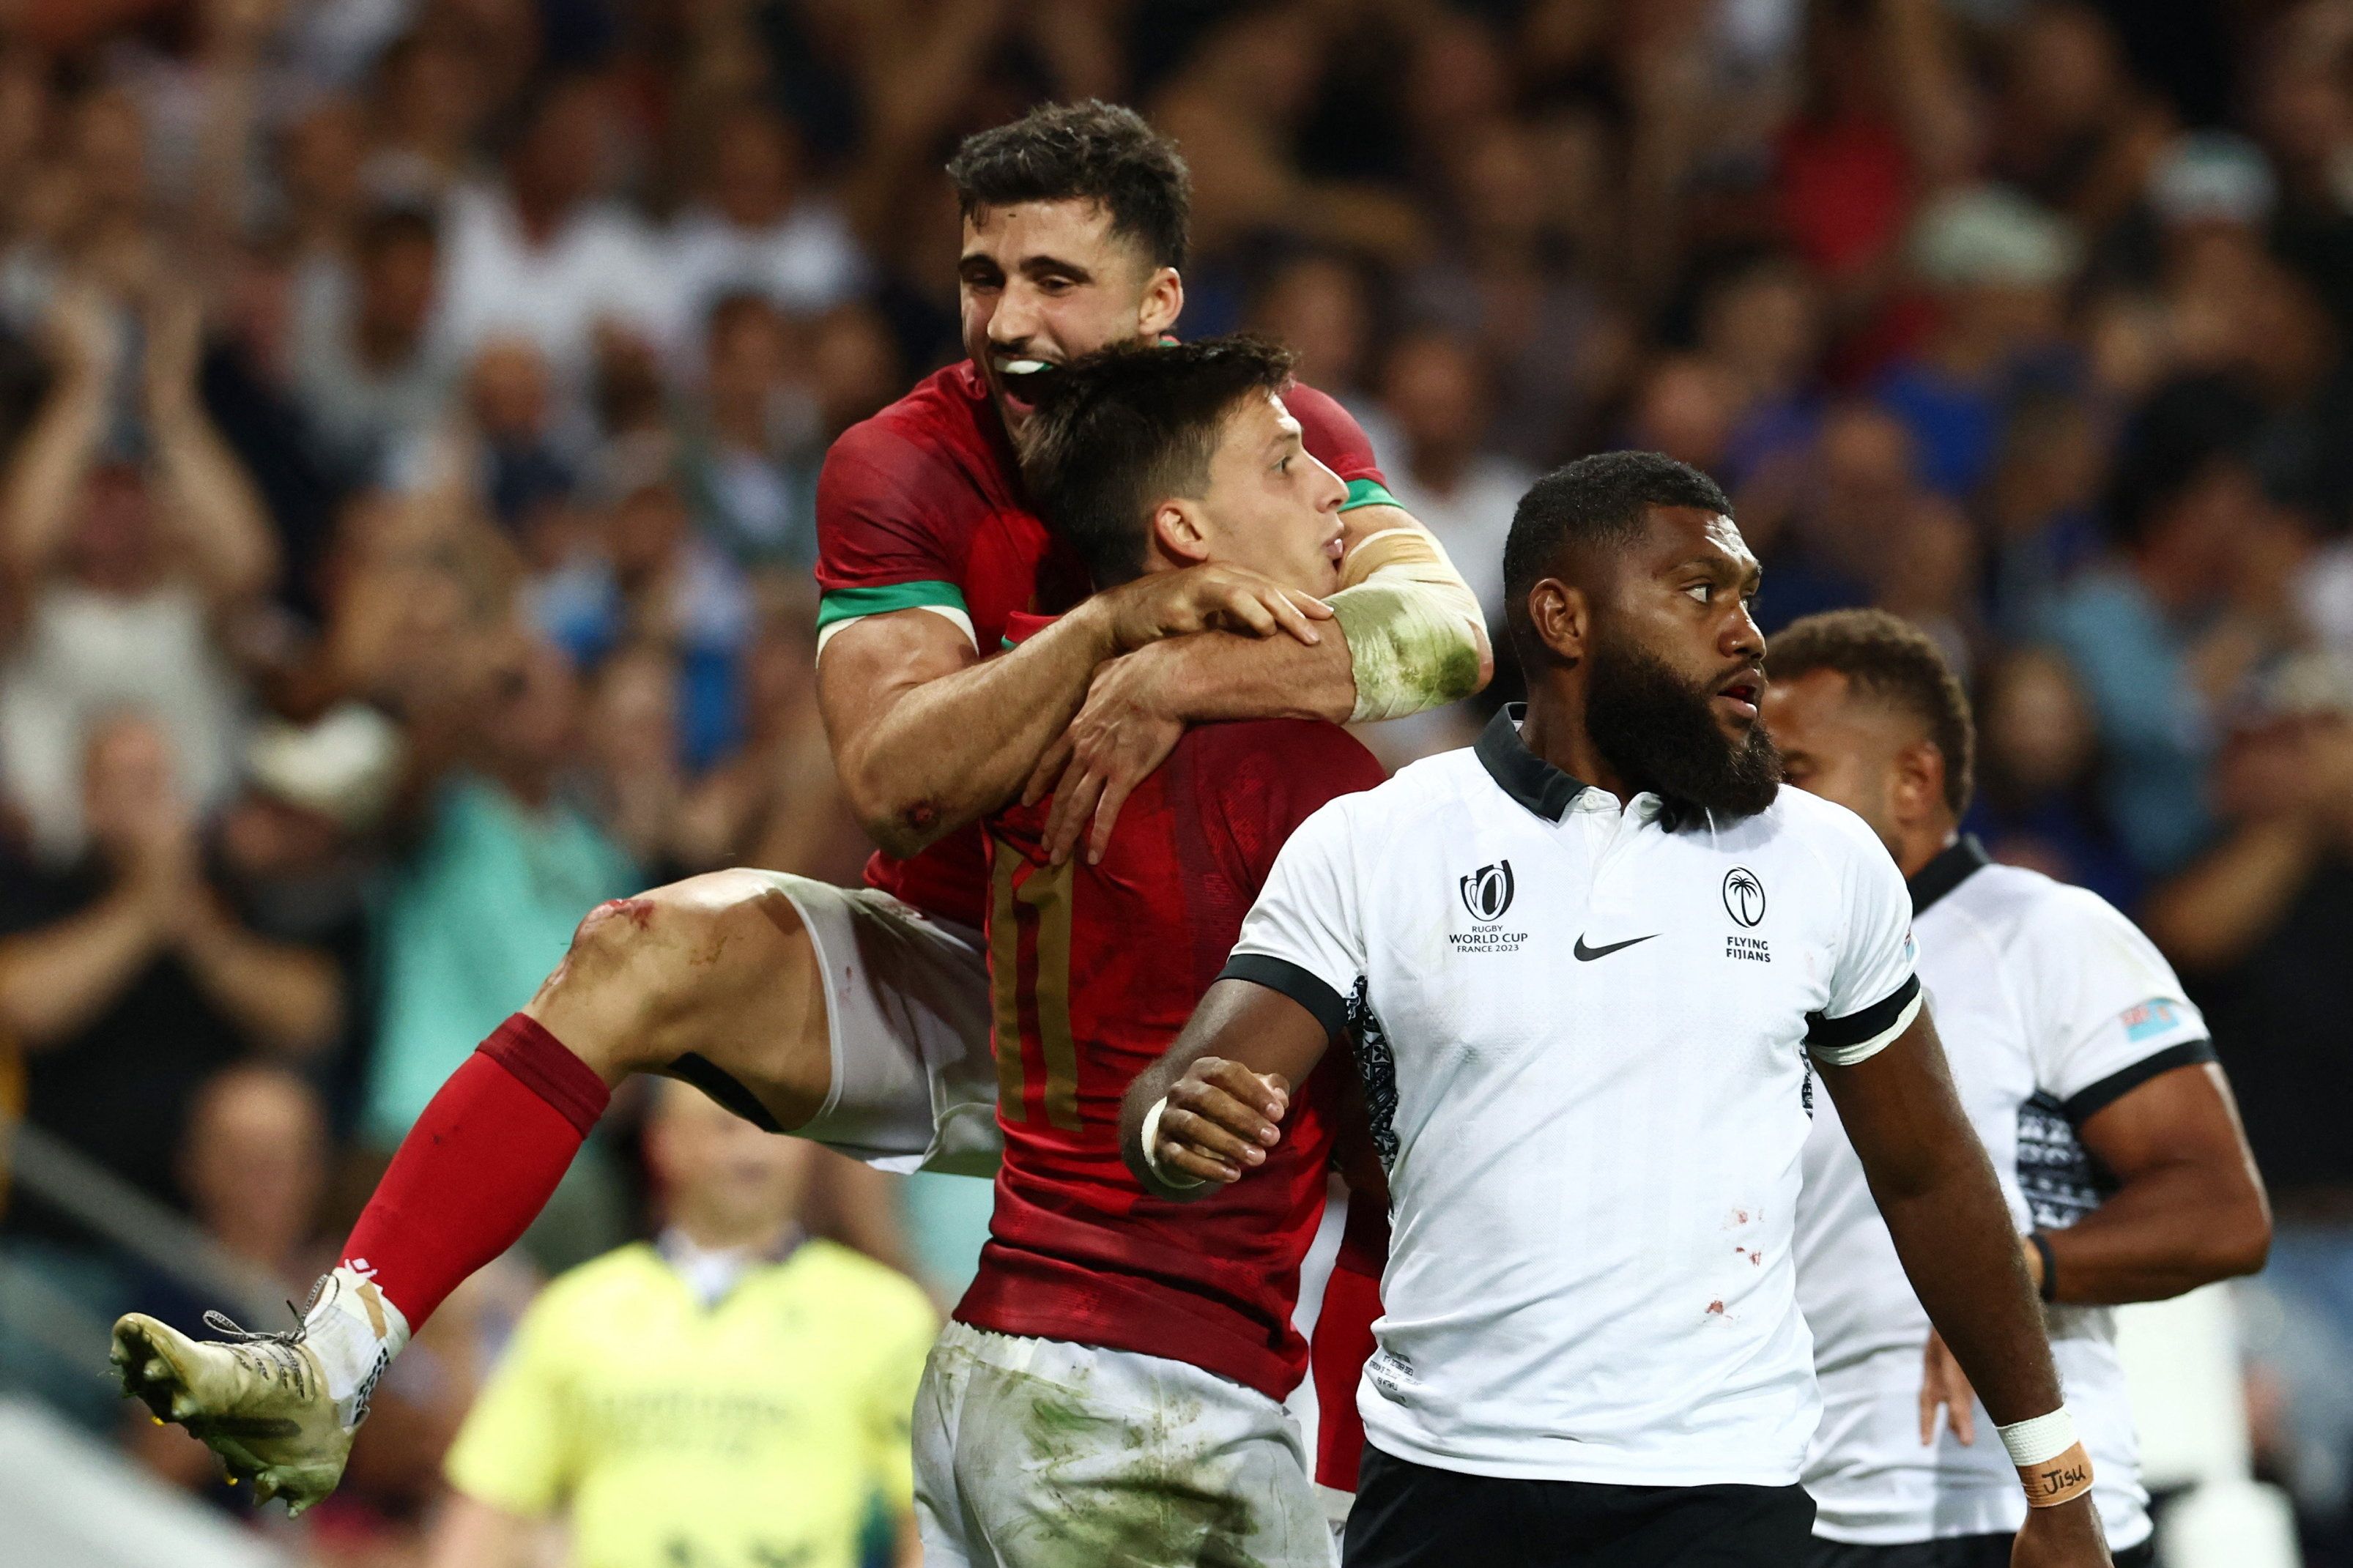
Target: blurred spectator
{"points": [[1435, 392], [2139, 627], [1995, 264], [543, 256], [2037, 803], [371, 372], [502, 867], [748, 437], [129, 977], [651, 1398], [756, 228], [133, 536], [1320, 304]]}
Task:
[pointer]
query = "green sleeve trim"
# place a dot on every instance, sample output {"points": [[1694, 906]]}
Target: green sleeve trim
{"points": [[1368, 492], [849, 604]]}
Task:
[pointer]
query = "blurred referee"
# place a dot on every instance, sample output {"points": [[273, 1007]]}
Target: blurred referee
{"points": [[1582, 967], [2086, 1073], [736, 1393]]}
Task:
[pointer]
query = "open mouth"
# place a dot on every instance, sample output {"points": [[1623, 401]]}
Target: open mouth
{"points": [[1022, 379], [1741, 694]]}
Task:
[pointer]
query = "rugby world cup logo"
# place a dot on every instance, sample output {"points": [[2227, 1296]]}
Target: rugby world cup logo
{"points": [[1743, 896], [1487, 892]]}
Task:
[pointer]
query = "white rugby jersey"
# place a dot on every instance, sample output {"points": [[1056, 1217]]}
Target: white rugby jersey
{"points": [[2050, 1005], [1583, 1031]]}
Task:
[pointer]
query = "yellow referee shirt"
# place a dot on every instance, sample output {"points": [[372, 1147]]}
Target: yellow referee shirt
{"points": [[755, 1434]]}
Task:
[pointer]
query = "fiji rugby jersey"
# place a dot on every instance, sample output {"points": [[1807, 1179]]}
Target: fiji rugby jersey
{"points": [[1095, 969], [1584, 1029], [2051, 1005], [921, 508]]}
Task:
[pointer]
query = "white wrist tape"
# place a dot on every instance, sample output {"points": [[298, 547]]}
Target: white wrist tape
{"points": [[2041, 1440], [1152, 1147], [1412, 625]]}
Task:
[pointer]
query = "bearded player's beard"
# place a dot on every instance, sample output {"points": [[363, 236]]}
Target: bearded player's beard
{"points": [[1659, 731]]}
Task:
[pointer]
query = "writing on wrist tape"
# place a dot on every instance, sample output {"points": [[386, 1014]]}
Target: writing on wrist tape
{"points": [[1152, 1148], [2052, 1463]]}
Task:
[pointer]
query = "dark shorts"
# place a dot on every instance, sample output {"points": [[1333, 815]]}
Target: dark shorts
{"points": [[1412, 1516], [1953, 1551]]}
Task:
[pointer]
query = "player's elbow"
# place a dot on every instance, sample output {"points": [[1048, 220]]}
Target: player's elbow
{"points": [[902, 822], [2238, 1232]]}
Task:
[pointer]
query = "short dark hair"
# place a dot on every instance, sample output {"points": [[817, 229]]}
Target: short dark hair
{"points": [[1895, 662], [1600, 499], [1122, 429], [1101, 152]]}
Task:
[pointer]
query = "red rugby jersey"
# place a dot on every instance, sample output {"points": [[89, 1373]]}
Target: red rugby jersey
{"points": [[1094, 969], [922, 506]]}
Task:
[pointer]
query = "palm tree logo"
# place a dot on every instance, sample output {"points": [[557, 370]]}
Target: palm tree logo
{"points": [[1743, 896]]}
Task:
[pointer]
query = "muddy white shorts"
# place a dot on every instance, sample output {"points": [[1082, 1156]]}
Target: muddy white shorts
{"points": [[1043, 1453], [907, 1010]]}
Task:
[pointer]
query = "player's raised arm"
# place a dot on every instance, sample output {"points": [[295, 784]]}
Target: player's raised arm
{"points": [[927, 733], [1935, 1189]]}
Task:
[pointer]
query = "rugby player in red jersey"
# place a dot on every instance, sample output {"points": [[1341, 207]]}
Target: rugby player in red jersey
{"points": [[860, 1017], [1110, 1389]]}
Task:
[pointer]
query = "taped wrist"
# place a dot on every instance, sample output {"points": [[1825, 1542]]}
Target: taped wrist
{"points": [[2053, 1465], [1412, 626], [1152, 1148]]}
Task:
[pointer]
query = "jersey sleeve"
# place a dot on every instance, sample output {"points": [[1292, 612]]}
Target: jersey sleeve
{"points": [[1874, 993], [2109, 1013], [1333, 438], [882, 544], [510, 1452], [1305, 937]]}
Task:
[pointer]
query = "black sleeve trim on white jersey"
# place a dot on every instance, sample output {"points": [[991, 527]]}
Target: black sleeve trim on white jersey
{"points": [[2116, 1085], [1837, 1033], [1299, 984]]}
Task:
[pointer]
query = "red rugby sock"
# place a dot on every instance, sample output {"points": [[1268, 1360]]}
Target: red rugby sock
{"points": [[477, 1168]]}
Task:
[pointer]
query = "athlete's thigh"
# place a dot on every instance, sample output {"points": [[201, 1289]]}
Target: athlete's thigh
{"points": [[951, 1535], [1069, 1456]]}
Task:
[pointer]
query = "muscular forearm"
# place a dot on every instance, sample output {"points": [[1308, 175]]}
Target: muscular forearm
{"points": [[1952, 1229], [1962, 1257], [2167, 1231], [1218, 676], [950, 747], [55, 981]]}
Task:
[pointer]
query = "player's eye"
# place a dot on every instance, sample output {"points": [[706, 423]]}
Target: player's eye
{"points": [[1702, 592], [1283, 467]]}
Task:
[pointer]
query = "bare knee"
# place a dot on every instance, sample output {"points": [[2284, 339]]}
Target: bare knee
{"points": [[646, 978]]}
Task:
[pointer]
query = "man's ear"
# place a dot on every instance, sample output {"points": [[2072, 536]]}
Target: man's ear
{"points": [[1163, 301], [1562, 617], [1917, 791], [1177, 530]]}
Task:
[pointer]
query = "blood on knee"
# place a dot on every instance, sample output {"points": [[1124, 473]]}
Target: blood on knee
{"points": [[639, 912]]}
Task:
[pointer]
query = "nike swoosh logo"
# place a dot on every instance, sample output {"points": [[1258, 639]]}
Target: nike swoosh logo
{"points": [[1588, 953]]}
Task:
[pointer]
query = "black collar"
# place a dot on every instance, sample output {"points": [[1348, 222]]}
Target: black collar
{"points": [[1520, 773], [1956, 863], [1536, 784]]}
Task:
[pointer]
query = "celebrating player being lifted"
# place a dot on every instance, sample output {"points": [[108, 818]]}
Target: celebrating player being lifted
{"points": [[1582, 967], [1110, 1391], [2085, 1069], [861, 1018]]}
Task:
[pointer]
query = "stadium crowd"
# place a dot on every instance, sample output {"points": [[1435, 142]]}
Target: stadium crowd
{"points": [[412, 412]]}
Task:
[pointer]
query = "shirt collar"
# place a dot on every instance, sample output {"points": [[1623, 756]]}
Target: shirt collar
{"points": [[1956, 863], [1535, 784], [1520, 773]]}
